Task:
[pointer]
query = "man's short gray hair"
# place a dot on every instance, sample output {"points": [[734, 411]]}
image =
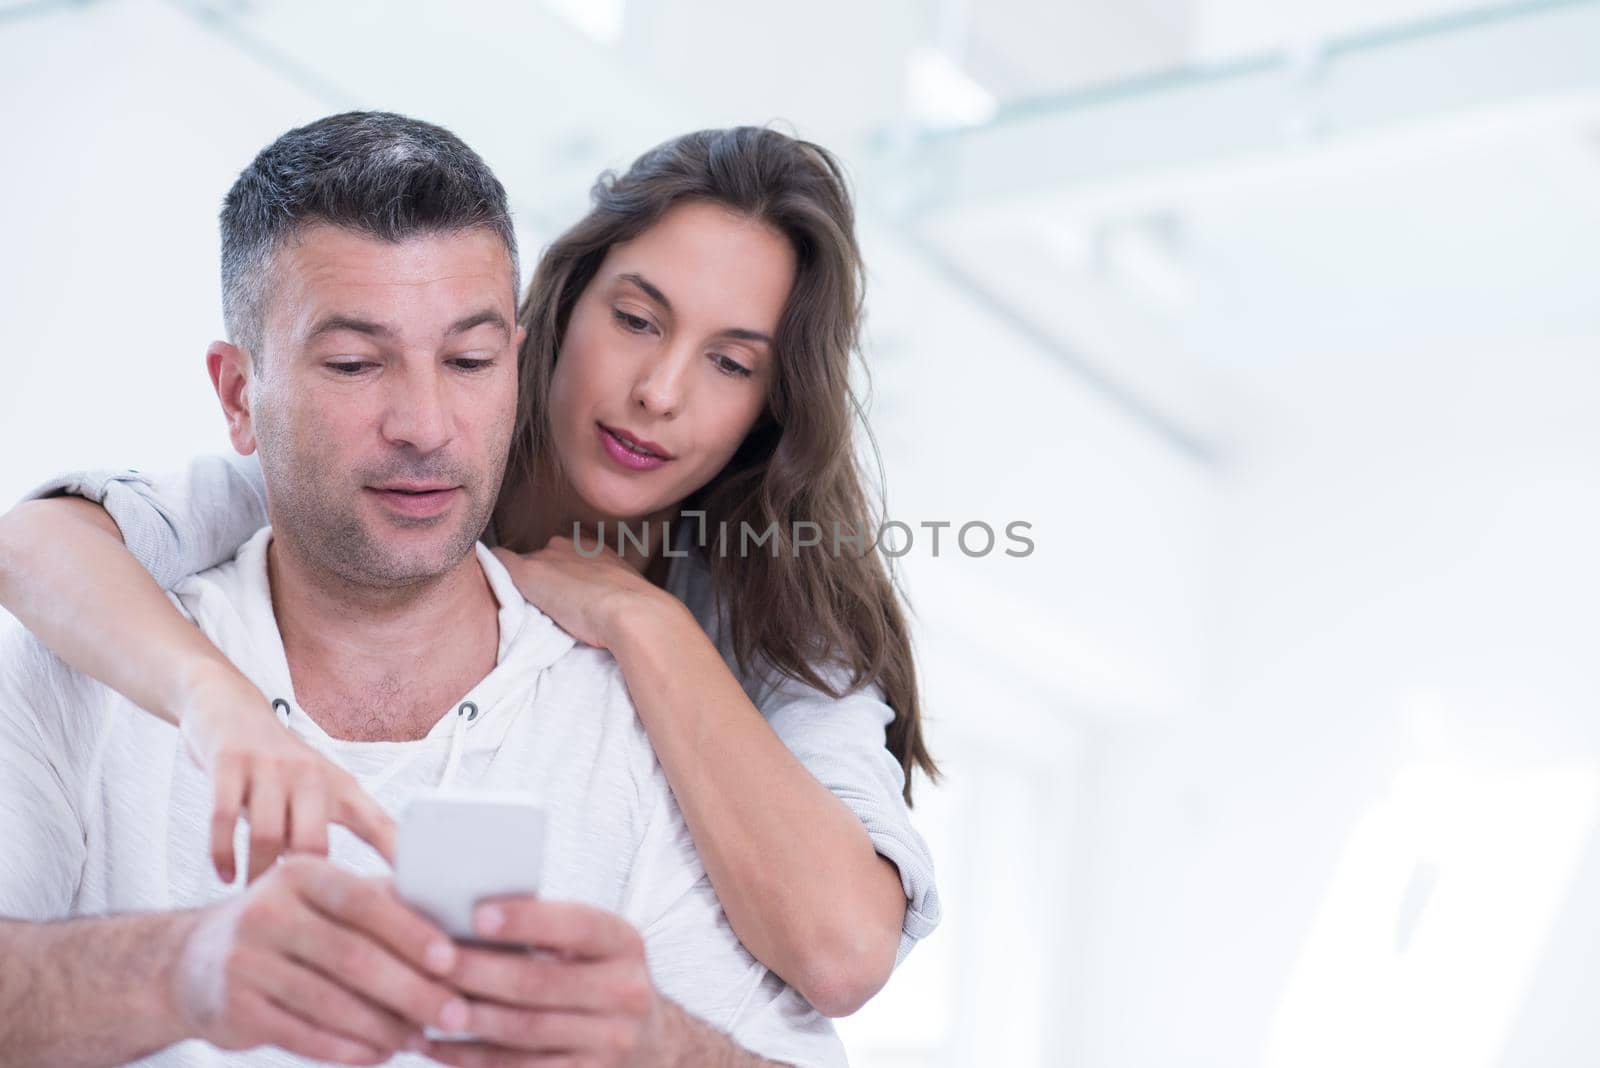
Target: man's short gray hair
{"points": [[374, 172]]}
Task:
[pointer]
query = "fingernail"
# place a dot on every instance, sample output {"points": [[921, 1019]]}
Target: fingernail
{"points": [[453, 1017], [441, 956], [489, 919]]}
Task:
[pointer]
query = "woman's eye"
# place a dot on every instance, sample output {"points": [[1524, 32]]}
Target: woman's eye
{"points": [[349, 367], [635, 323], [730, 366], [468, 363]]}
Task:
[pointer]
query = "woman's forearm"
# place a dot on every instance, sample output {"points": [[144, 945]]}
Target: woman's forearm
{"points": [[795, 870], [66, 575]]}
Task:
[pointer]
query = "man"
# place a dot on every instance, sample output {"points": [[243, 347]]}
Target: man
{"points": [[369, 279]]}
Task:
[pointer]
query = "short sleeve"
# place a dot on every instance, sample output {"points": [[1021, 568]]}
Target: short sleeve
{"points": [[842, 742], [178, 523], [41, 780]]}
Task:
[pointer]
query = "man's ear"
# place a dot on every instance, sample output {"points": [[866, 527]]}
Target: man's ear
{"points": [[230, 370]]}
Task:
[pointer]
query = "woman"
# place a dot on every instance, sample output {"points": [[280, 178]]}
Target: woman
{"points": [[685, 368]]}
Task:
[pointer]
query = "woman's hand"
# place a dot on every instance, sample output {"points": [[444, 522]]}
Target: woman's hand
{"points": [[589, 596], [259, 767]]}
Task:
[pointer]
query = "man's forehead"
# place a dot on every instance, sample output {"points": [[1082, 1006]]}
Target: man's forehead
{"points": [[333, 254], [432, 278]]}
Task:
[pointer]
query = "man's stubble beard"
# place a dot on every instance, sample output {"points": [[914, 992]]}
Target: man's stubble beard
{"points": [[320, 519]]}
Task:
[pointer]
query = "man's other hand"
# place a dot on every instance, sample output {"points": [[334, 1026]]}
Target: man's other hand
{"points": [[583, 996], [320, 962]]}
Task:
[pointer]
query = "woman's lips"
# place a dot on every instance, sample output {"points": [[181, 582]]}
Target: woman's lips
{"points": [[624, 456], [414, 505]]}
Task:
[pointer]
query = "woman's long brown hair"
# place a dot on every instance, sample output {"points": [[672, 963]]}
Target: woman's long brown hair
{"points": [[792, 609]]}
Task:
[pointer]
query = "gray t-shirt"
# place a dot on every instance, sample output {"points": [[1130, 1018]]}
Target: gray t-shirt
{"points": [[179, 524]]}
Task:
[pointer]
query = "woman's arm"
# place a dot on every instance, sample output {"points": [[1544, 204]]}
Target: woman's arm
{"points": [[67, 576], [795, 869]]}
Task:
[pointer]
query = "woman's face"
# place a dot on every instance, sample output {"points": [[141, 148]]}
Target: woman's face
{"points": [[668, 358]]}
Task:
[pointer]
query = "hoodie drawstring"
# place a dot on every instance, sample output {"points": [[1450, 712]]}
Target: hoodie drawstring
{"points": [[464, 715]]}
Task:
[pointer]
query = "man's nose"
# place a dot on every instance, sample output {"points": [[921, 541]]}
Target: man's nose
{"points": [[418, 412]]}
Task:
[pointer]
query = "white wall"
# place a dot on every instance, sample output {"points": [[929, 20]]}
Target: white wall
{"points": [[1409, 578], [116, 169]]}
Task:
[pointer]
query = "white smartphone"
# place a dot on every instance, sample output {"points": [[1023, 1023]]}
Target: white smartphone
{"points": [[455, 848]]}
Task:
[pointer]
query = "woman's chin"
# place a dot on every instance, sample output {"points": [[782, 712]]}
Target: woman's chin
{"points": [[616, 504]]}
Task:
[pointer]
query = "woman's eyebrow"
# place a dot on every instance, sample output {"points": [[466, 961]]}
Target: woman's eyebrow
{"points": [[649, 290], [737, 332]]}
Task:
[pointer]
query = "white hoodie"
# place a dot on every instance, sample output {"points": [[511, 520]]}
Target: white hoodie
{"points": [[101, 810]]}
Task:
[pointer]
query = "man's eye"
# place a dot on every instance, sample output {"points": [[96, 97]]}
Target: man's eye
{"points": [[349, 367]]}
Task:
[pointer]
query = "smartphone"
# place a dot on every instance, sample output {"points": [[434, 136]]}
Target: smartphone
{"points": [[455, 848]]}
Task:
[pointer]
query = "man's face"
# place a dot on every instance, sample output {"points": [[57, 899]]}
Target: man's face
{"points": [[383, 398]]}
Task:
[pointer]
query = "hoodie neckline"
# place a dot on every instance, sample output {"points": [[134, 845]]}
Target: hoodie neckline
{"points": [[529, 641]]}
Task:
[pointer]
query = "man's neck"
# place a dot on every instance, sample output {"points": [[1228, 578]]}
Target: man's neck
{"points": [[374, 664]]}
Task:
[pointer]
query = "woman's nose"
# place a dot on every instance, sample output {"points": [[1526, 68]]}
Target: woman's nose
{"points": [[659, 388]]}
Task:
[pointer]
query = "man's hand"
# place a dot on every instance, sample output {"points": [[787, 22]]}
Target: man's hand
{"points": [[585, 995], [320, 962]]}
